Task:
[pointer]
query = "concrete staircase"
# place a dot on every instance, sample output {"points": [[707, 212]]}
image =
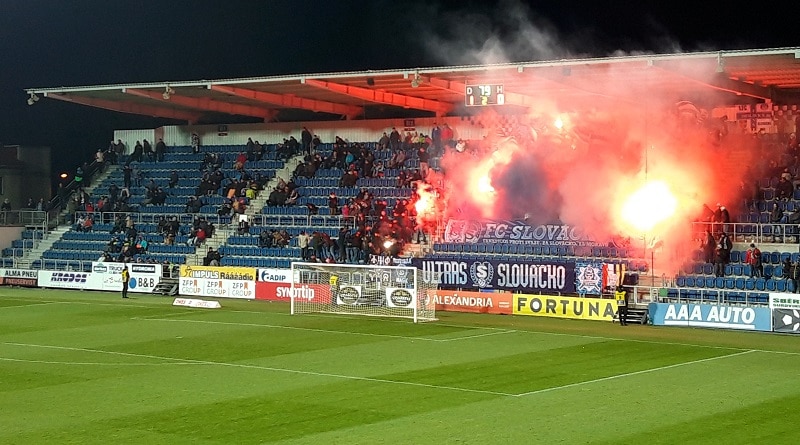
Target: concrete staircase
{"points": [[25, 261]]}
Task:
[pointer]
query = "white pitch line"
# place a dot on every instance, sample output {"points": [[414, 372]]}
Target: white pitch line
{"points": [[32, 304], [50, 362], [269, 368], [297, 328], [628, 374], [467, 337]]}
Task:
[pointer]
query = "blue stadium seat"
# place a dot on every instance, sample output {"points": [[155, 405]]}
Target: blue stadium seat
{"points": [[771, 286], [739, 283], [781, 285], [730, 283], [761, 284], [736, 256], [680, 281]]}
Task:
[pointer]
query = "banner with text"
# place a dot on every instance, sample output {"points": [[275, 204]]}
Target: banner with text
{"points": [[478, 302], [19, 277], [63, 280], [565, 307], [276, 285], [711, 316], [108, 276], [516, 276], [515, 232], [222, 281]]}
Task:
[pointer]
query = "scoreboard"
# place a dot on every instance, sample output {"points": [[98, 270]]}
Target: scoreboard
{"points": [[480, 95]]}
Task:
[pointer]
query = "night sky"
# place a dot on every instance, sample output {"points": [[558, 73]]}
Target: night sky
{"points": [[51, 43]]}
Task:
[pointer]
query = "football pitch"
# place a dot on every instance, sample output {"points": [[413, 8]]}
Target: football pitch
{"points": [[90, 367]]}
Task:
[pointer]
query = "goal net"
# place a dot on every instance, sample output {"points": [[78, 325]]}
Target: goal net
{"points": [[385, 291]]}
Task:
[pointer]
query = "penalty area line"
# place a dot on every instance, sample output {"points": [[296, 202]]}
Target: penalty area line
{"points": [[629, 374]]}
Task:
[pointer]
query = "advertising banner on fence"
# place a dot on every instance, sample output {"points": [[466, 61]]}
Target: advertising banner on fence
{"points": [[63, 280], [515, 276], [711, 316], [785, 312], [19, 277], [108, 276], [514, 232], [223, 281], [565, 307], [479, 302], [782, 300], [275, 285]]}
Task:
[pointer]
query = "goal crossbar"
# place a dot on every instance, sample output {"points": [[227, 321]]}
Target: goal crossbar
{"points": [[384, 291]]}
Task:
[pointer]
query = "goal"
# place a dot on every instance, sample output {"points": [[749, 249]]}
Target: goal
{"points": [[384, 291]]}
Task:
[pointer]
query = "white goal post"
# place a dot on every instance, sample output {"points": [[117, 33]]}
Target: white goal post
{"points": [[383, 291]]}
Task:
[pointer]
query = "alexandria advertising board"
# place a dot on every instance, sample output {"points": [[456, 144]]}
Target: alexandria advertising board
{"points": [[477, 302], [275, 285], [222, 281], [711, 316], [514, 276]]}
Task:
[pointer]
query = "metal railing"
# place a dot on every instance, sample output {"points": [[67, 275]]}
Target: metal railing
{"points": [[750, 232]]}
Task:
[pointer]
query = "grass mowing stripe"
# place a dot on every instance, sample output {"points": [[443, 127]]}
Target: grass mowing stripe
{"points": [[268, 368], [297, 328], [325, 331], [32, 304], [53, 362], [628, 374]]}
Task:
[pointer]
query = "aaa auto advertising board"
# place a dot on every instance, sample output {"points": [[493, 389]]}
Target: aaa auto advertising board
{"points": [[276, 285], [514, 276], [108, 276], [711, 316], [222, 281], [477, 302]]}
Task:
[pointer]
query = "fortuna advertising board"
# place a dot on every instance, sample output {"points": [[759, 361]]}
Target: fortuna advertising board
{"points": [[108, 276], [516, 276], [478, 302], [63, 279], [711, 316], [565, 307], [19, 277], [211, 281]]}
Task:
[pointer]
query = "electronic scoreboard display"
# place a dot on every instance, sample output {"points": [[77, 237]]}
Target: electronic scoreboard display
{"points": [[480, 95]]}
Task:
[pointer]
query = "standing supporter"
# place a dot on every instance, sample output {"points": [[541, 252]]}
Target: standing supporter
{"points": [[306, 138], [752, 257], [161, 148], [148, 150], [195, 143]]}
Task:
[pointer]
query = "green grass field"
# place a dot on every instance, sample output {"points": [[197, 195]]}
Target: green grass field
{"points": [[89, 367]]}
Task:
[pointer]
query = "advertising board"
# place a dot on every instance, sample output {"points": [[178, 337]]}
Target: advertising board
{"points": [[222, 281], [477, 302], [565, 307], [711, 316]]}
